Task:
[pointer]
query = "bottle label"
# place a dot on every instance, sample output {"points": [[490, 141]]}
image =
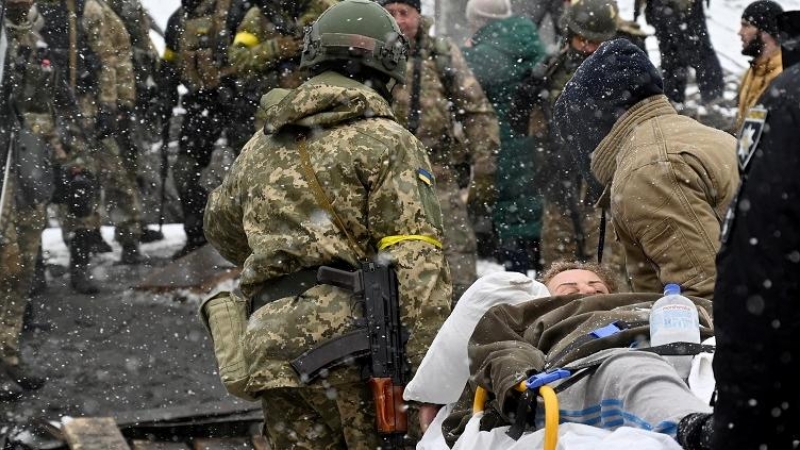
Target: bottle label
{"points": [[673, 317]]}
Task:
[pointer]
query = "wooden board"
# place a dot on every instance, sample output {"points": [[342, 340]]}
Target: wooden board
{"points": [[149, 445], [198, 272], [99, 433], [242, 443]]}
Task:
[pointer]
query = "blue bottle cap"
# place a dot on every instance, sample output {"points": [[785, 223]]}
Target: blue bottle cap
{"points": [[672, 289]]}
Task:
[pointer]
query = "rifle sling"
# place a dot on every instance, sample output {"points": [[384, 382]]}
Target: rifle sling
{"points": [[322, 199], [332, 353]]}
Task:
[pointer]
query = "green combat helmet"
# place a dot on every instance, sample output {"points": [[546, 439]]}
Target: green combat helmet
{"points": [[595, 20], [357, 30]]}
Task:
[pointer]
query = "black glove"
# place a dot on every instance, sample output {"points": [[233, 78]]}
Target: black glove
{"points": [[106, 121]]}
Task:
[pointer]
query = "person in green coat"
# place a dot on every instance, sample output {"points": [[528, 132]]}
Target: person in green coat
{"points": [[501, 52]]}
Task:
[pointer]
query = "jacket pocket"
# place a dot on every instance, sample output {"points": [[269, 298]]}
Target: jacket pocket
{"points": [[671, 255]]}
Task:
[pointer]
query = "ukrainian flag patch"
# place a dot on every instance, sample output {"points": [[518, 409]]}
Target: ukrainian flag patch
{"points": [[425, 176]]}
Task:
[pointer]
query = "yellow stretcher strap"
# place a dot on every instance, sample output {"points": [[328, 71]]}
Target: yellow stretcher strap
{"points": [[550, 417], [550, 411], [169, 55], [247, 39], [389, 241]]}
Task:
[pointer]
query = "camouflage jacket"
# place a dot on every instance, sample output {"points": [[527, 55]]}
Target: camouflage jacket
{"points": [[265, 217], [109, 40], [444, 99], [267, 40]]}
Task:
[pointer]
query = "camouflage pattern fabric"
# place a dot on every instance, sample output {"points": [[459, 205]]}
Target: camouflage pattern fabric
{"points": [[326, 418], [474, 142], [109, 40], [20, 235], [265, 52], [266, 218]]}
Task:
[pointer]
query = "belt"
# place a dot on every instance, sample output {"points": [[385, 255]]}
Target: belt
{"points": [[290, 285]]}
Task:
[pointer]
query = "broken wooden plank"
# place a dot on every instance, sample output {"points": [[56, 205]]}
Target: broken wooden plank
{"points": [[240, 443], [198, 272], [151, 445], [94, 433]]}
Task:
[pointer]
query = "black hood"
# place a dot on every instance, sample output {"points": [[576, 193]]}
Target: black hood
{"points": [[616, 77], [789, 26]]}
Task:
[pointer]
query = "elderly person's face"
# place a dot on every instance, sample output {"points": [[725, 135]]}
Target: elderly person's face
{"points": [[576, 281], [407, 19]]}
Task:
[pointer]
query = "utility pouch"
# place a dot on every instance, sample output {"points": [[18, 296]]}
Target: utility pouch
{"points": [[225, 316]]}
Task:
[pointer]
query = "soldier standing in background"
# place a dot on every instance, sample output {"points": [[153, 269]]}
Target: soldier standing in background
{"points": [[88, 42], [27, 139], [684, 43], [444, 106], [334, 137], [197, 39], [144, 129], [265, 53], [571, 223]]}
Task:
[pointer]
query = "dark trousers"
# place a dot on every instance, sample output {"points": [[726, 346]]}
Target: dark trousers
{"points": [[684, 42]]}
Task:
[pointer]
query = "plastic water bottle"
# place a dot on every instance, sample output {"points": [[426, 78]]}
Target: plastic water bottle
{"points": [[674, 319]]}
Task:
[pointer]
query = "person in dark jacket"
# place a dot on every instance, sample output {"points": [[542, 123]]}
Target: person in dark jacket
{"points": [[756, 309], [502, 51]]}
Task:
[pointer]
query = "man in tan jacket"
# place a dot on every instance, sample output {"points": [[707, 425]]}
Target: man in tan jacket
{"points": [[668, 179], [759, 33]]}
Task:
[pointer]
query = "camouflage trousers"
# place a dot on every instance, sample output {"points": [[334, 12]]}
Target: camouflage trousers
{"points": [[558, 241], [120, 195], [340, 417], [20, 239], [460, 247]]}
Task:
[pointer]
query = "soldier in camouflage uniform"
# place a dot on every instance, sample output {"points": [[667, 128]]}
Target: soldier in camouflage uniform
{"points": [[28, 87], [382, 205], [265, 52], [101, 77], [571, 224], [444, 106]]}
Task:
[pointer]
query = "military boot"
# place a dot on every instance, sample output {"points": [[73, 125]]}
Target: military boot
{"points": [[131, 255], [96, 243], [79, 251], [695, 431], [27, 377], [9, 390], [192, 244]]}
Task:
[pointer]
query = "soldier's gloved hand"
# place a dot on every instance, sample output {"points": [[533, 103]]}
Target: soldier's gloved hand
{"points": [[106, 121]]}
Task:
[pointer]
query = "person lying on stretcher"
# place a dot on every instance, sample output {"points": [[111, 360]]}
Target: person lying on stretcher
{"points": [[618, 387]]}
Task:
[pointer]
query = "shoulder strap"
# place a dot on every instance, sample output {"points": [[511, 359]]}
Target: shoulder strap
{"points": [[444, 62], [322, 199]]}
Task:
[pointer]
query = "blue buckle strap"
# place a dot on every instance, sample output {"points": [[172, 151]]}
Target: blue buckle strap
{"points": [[606, 331], [540, 379]]}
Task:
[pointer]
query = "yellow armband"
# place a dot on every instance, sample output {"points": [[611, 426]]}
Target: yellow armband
{"points": [[169, 55], [389, 241], [249, 40]]}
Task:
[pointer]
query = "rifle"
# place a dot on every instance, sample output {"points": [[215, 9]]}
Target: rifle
{"points": [[382, 339]]}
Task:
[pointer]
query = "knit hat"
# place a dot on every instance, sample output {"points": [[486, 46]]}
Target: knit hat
{"points": [[478, 10], [763, 14], [608, 83], [412, 3]]}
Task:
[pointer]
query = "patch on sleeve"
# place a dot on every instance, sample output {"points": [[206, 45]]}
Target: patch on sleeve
{"points": [[425, 176], [750, 134]]}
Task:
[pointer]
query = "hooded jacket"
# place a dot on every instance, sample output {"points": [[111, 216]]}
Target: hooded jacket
{"points": [[503, 52], [668, 181], [265, 217]]}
